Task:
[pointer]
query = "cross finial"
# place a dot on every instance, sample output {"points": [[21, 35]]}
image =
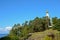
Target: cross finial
{"points": [[46, 11]]}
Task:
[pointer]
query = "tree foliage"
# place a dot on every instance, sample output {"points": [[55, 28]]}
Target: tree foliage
{"points": [[36, 25]]}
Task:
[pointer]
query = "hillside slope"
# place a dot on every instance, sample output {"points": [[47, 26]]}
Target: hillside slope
{"points": [[46, 35]]}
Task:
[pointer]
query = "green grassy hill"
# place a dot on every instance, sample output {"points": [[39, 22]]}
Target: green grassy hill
{"points": [[46, 35]]}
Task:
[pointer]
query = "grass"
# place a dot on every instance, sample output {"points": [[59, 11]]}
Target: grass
{"points": [[44, 35]]}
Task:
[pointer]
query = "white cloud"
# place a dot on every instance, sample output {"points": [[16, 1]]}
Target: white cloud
{"points": [[8, 28], [5, 30]]}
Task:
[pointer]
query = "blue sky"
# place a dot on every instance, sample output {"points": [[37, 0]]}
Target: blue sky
{"points": [[18, 11]]}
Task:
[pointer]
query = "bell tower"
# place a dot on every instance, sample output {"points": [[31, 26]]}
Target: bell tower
{"points": [[48, 20]]}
